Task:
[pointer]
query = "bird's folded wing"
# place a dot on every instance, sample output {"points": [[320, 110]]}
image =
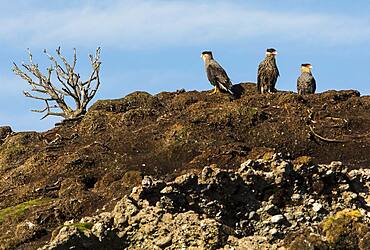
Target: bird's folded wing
{"points": [[217, 75]]}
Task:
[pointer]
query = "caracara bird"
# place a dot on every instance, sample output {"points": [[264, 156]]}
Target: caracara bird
{"points": [[268, 73], [216, 74], [306, 83]]}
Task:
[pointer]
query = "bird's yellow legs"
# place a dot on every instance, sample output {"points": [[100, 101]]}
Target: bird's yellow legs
{"points": [[215, 91]]}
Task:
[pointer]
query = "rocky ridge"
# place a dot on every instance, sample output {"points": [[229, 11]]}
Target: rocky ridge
{"points": [[82, 167], [269, 203]]}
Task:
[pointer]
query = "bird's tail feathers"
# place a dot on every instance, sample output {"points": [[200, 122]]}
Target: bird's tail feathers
{"points": [[228, 89]]}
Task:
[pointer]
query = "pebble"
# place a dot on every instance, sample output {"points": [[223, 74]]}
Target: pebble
{"points": [[316, 207], [147, 182], [167, 190], [296, 197], [273, 231], [164, 241], [272, 209], [289, 216], [252, 215], [276, 219], [329, 172], [248, 164], [344, 170], [343, 187]]}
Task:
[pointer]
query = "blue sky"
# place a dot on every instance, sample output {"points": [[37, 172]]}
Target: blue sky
{"points": [[155, 45]]}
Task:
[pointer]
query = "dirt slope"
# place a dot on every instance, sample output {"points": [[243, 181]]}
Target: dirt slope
{"points": [[84, 165]]}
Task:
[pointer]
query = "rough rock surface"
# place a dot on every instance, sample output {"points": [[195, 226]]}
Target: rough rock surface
{"points": [[270, 203]]}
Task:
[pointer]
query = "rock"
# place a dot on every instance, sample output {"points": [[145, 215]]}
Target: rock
{"points": [[289, 216], [103, 226], [273, 232], [316, 207], [28, 230], [164, 242], [272, 209], [166, 203], [248, 165], [343, 187], [147, 182], [208, 210], [167, 218], [71, 237], [253, 215], [277, 219], [167, 190], [329, 172], [348, 197], [296, 197], [207, 173], [294, 225], [123, 211], [336, 165], [187, 180]]}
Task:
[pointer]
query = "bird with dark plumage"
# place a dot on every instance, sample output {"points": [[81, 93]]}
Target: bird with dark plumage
{"points": [[306, 83], [216, 74], [268, 73]]}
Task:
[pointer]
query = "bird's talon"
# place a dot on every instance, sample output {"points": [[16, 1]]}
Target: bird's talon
{"points": [[213, 92]]}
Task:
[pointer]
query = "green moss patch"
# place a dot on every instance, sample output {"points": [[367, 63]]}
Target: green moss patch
{"points": [[21, 208], [340, 225], [83, 226]]}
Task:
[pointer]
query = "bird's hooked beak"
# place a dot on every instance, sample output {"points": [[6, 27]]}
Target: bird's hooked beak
{"points": [[271, 53]]}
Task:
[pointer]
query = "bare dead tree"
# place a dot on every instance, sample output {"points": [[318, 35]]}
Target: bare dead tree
{"points": [[68, 84]]}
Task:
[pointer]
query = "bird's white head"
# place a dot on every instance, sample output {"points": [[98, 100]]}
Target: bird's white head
{"points": [[271, 52], [306, 67], [206, 55]]}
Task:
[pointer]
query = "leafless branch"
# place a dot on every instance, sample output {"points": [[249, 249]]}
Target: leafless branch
{"points": [[68, 84], [324, 138]]}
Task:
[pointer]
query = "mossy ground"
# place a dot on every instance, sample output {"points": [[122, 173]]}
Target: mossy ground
{"points": [[344, 230], [21, 208], [344, 215], [336, 226], [83, 226]]}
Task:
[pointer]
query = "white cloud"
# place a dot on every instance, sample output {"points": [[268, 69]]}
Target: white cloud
{"points": [[147, 24]]}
